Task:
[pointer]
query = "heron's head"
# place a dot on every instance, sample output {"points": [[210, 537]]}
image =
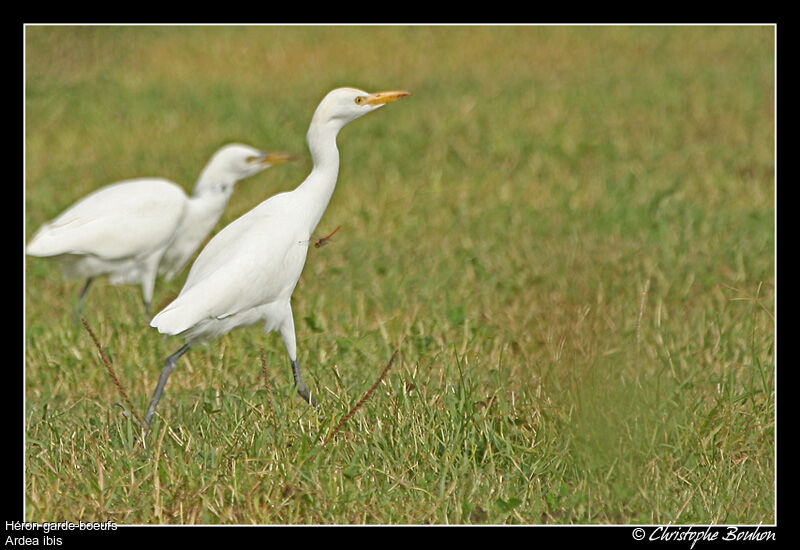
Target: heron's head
{"points": [[344, 105], [236, 162]]}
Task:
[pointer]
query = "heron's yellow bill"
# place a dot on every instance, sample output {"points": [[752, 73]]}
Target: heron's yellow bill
{"points": [[380, 98]]}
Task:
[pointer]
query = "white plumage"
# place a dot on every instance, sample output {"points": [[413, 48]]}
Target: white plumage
{"points": [[246, 274], [257, 259], [131, 230]]}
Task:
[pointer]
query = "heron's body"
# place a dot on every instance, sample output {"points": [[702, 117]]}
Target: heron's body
{"points": [[133, 229], [263, 253], [247, 272]]}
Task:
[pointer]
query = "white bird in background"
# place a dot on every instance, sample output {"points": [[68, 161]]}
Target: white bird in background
{"points": [[248, 271], [126, 229]]}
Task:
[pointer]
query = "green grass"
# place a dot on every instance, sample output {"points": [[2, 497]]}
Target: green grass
{"points": [[568, 233]]}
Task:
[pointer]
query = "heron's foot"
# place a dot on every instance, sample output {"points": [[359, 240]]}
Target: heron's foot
{"points": [[148, 416], [302, 389]]}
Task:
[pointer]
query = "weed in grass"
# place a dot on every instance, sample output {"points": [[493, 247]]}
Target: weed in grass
{"points": [[361, 401], [110, 369]]}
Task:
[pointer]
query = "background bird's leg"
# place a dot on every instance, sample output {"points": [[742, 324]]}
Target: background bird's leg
{"points": [[148, 280], [85, 289], [82, 295], [79, 304], [287, 334], [169, 366]]}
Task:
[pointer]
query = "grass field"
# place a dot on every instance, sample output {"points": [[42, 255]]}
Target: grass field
{"points": [[567, 233]]}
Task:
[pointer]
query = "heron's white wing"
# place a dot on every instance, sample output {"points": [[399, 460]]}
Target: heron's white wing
{"points": [[255, 260], [124, 219]]}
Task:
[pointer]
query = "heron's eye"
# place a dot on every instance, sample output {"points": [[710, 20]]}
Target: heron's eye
{"points": [[359, 100]]}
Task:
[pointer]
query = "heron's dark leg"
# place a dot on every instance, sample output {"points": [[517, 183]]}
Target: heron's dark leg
{"points": [[169, 366], [302, 388], [287, 334]]}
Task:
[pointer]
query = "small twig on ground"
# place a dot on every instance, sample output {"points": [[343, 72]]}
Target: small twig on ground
{"points": [[363, 399], [113, 374]]}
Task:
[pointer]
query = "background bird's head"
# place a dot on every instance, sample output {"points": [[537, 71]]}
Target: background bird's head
{"points": [[235, 162]]}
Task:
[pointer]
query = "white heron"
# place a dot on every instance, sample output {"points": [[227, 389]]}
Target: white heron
{"points": [[247, 272], [132, 229]]}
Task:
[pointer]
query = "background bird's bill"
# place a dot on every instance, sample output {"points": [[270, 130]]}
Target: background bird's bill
{"points": [[270, 159]]}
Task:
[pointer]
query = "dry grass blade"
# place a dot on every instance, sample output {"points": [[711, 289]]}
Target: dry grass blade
{"points": [[266, 387], [639, 320], [363, 399], [113, 374]]}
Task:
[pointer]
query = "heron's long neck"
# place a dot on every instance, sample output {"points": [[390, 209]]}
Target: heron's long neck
{"points": [[318, 187]]}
